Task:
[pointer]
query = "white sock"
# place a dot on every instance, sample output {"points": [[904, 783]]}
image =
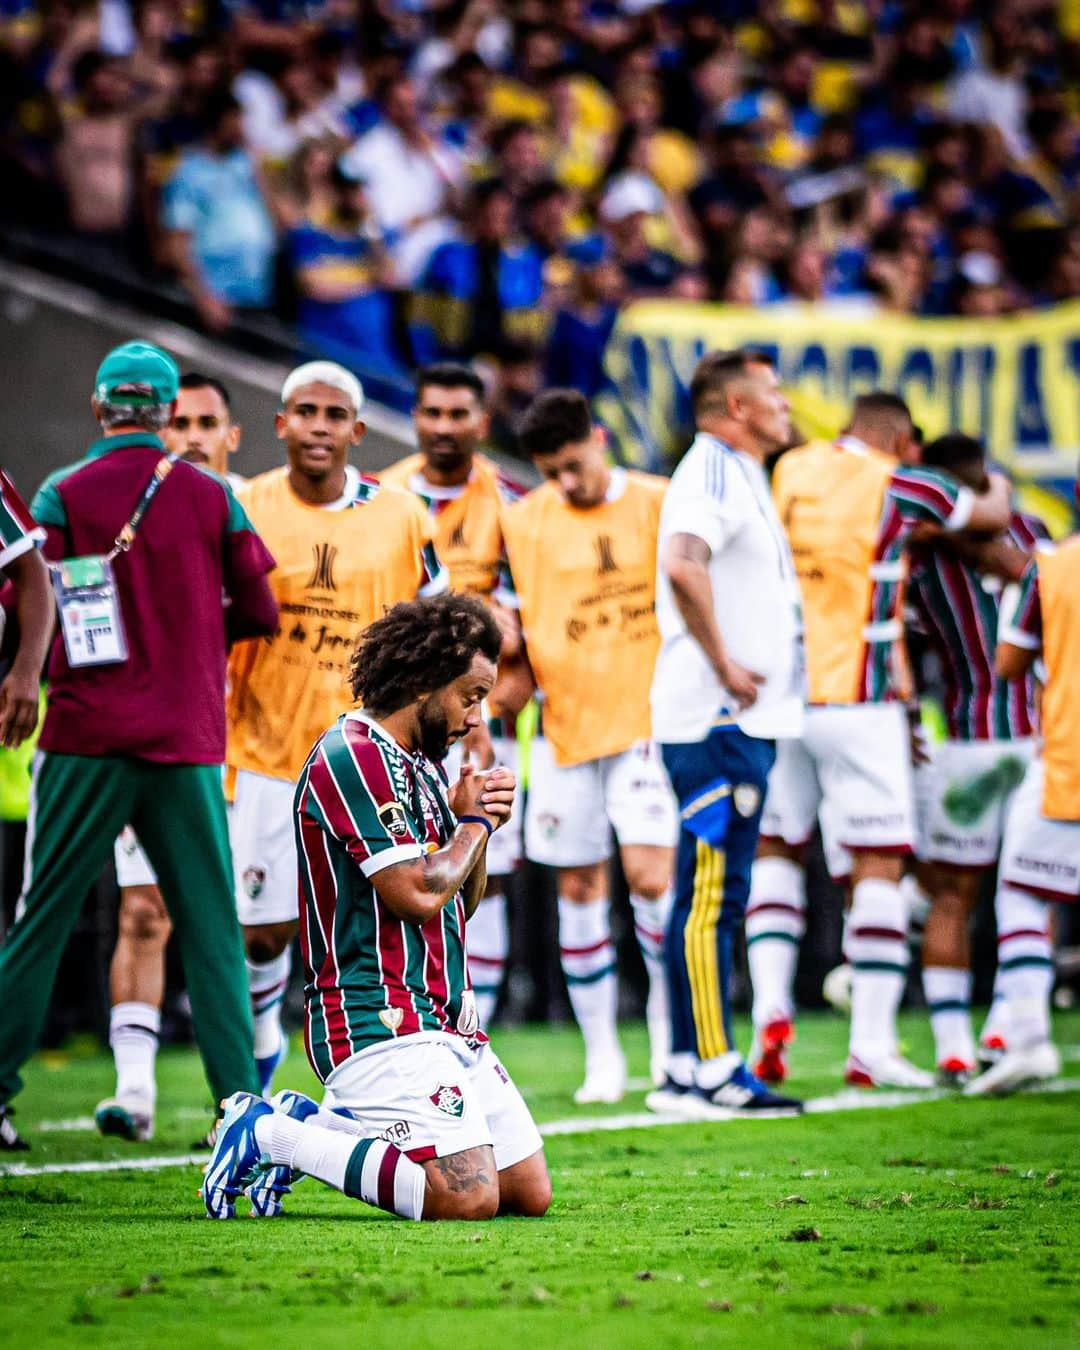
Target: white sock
{"points": [[775, 924], [948, 996], [588, 962], [267, 981], [918, 909], [1025, 965], [133, 1036], [367, 1169], [650, 924], [876, 944], [489, 940], [997, 1017]]}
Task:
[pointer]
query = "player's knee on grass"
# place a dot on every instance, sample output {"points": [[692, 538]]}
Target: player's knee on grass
{"points": [[583, 885], [525, 1188], [263, 942], [143, 917], [462, 1185], [648, 869]]}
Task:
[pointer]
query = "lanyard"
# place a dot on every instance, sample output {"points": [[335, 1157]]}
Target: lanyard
{"points": [[126, 537]]}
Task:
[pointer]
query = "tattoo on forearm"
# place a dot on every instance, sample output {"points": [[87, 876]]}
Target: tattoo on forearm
{"points": [[461, 1172], [446, 869]]}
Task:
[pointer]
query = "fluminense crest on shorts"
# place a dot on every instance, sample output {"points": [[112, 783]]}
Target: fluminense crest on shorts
{"points": [[254, 880], [449, 1100]]}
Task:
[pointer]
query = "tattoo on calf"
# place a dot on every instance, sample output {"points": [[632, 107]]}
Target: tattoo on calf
{"points": [[461, 1172]]}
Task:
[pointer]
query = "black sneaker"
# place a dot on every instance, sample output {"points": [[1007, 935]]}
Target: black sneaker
{"points": [[11, 1141], [744, 1093]]}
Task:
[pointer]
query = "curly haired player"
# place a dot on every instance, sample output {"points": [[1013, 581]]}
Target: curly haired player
{"points": [[419, 1117]]}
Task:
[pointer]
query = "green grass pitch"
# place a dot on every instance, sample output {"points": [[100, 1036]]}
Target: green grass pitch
{"points": [[943, 1223]]}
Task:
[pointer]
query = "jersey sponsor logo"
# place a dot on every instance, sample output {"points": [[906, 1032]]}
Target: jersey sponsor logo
{"points": [[391, 1018], [393, 819], [605, 555], [399, 1133], [322, 568], [449, 1099], [746, 798], [576, 630], [457, 536], [254, 879]]}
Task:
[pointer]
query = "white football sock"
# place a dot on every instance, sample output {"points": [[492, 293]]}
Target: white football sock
{"points": [[876, 944], [997, 1017], [588, 962], [133, 1037], [489, 940], [918, 909], [948, 996], [366, 1169], [650, 924], [1025, 965], [775, 924], [267, 981]]}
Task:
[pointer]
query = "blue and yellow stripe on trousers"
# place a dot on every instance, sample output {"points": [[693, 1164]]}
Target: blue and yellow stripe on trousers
{"points": [[699, 943]]}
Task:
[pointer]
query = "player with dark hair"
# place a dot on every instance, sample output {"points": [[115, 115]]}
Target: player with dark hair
{"points": [[849, 509], [419, 1117], [727, 685], [966, 791], [466, 494], [582, 550]]}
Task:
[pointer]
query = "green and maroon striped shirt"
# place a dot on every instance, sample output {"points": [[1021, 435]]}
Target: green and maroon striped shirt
{"points": [[363, 803]]}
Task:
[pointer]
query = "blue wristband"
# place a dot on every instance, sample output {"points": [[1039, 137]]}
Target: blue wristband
{"points": [[477, 820]]}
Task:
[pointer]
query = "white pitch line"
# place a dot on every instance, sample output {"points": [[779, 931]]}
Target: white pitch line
{"points": [[848, 1100]]}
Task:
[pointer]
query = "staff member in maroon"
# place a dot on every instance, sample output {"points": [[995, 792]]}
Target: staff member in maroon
{"points": [[143, 548]]}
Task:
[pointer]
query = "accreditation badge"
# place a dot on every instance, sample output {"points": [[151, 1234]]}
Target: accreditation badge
{"points": [[89, 612]]}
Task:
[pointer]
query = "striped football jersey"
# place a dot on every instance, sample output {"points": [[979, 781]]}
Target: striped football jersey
{"points": [[363, 803]]}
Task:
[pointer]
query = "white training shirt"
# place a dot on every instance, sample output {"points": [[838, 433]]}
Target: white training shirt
{"points": [[722, 496]]}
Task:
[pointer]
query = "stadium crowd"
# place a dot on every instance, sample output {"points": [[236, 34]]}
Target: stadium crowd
{"points": [[495, 178]]}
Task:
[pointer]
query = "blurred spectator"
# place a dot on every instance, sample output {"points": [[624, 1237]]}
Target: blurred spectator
{"points": [[341, 274], [994, 92], [221, 238], [584, 324], [94, 156], [412, 177], [307, 190], [482, 290]]}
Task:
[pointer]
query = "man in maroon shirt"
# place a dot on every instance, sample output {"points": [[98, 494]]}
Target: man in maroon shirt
{"points": [[135, 724]]}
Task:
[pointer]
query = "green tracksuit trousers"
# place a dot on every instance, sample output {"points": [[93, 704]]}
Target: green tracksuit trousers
{"points": [[78, 805]]}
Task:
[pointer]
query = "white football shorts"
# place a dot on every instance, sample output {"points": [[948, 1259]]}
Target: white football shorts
{"points": [[261, 834], [964, 796], [132, 865], [433, 1095], [1039, 854], [504, 846], [851, 767], [573, 809]]}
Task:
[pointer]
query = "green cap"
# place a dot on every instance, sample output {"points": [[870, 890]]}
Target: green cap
{"points": [[137, 373]]}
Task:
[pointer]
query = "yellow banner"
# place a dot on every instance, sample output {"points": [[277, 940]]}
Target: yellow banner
{"points": [[1014, 382]]}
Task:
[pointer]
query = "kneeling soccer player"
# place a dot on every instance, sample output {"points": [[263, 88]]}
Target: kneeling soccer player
{"points": [[419, 1117]]}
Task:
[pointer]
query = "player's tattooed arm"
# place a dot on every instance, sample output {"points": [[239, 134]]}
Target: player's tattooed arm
{"points": [[475, 885], [416, 890], [686, 565]]}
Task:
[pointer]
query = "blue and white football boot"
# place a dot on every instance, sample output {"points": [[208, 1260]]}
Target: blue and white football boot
{"points": [[237, 1158], [272, 1185]]}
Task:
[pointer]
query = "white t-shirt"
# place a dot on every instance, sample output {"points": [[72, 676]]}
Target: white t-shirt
{"points": [[722, 496]]}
